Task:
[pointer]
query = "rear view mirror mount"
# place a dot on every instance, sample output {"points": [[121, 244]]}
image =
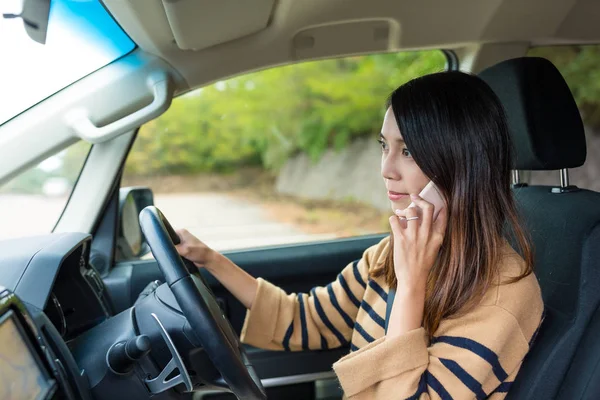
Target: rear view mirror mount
{"points": [[35, 14]]}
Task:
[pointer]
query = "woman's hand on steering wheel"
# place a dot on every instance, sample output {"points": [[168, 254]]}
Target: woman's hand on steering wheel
{"points": [[195, 250], [198, 304]]}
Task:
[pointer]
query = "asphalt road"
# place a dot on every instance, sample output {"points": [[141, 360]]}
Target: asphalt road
{"points": [[225, 222]]}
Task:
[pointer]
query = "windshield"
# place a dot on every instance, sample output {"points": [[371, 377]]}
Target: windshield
{"points": [[32, 202], [82, 37]]}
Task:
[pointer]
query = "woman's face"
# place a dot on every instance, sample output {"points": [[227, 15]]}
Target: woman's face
{"points": [[400, 173]]}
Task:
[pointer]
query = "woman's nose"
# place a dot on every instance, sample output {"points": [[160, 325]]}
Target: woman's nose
{"points": [[388, 169]]}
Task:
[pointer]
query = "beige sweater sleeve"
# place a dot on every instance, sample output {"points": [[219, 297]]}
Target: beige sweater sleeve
{"points": [[321, 319], [470, 357]]}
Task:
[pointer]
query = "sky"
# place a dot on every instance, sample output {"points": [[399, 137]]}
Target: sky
{"points": [[81, 38]]}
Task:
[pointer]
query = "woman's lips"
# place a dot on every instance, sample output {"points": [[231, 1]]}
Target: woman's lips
{"points": [[395, 196]]}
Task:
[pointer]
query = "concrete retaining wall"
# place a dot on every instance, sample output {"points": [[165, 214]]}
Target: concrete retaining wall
{"points": [[354, 173], [350, 174]]}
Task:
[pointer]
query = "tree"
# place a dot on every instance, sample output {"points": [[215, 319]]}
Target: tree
{"points": [[264, 117]]}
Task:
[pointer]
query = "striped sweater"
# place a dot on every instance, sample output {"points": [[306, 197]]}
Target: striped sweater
{"points": [[476, 355]]}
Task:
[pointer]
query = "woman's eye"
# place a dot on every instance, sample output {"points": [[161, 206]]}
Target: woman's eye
{"points": [[406, 152], [382, 144]]}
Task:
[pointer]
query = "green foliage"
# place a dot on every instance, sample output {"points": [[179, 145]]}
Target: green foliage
{"points": [[579, 66], [263, 117]]}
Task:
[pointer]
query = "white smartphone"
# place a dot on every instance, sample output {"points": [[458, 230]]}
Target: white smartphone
{"points": [[431, 194]]}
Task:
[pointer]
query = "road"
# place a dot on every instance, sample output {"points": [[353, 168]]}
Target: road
{"points": [[223, 222]]}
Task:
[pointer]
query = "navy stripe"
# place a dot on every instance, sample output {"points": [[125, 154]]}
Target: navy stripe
{"points": [[437, 386], [374, 316], [288, 336], [477, 348], [326, 320], [335, 303], [357, 276], [324, 345], [464, 377], [363, 333], [353, 347], [349, 293], [422, 388], [534, 336], [504, 387], [303, 323], [375, 286]]}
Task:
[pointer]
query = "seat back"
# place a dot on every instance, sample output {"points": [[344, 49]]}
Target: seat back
{"points": [[563, 221], [583, 378]]}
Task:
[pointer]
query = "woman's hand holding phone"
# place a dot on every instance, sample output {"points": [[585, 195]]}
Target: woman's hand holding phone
{"points": [[418, 232], [431, 194]]}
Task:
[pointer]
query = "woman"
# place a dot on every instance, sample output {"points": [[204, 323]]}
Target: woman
{"points": [[467, 305]]}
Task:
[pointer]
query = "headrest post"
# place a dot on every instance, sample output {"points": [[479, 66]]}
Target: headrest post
{"points": [[564, 178], [516, 179], [564, 183]]}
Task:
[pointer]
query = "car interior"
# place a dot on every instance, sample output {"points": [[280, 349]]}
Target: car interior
{"points": [[79, 322]]}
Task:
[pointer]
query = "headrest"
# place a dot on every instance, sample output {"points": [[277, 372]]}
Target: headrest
{"points": [[543, 118]]}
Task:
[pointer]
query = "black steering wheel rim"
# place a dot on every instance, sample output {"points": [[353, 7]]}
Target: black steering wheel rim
{"points": [[200, 308]]}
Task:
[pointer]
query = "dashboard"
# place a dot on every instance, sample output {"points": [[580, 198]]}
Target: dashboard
{"points": [[60, 339], [78, 300], [59, 296], [52, 273]]}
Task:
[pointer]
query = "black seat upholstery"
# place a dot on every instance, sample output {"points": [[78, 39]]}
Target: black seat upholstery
{"points": [[583, 378], [564, 225]]}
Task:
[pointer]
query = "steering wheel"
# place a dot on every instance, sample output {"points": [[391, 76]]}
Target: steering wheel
{"points": [[201, 309]]}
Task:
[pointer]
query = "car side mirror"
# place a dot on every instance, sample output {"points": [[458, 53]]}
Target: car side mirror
{"points": [[131, 242]]}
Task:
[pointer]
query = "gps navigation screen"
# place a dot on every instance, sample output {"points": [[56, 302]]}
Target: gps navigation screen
{"points": [[20, 374]]}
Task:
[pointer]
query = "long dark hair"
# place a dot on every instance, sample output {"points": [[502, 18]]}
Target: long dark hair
{"points": [[456, 130]]}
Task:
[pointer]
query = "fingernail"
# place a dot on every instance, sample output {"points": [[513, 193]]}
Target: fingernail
{"points": [[414, 196], [398, 212]]}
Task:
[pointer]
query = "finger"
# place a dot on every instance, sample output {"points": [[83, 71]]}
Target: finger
{"points": [[182, 249], [395, 225], [401, 213], [182, 233], [412, 224], [187, 238], [408, 211], [426, 212], [439, 225], [401, 218]]}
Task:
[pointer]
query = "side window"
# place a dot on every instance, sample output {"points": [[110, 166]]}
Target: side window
{"points": [[32, 202], [284, 155], [579, 65]]}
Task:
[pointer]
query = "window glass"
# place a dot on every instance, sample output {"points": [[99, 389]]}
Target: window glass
{"points": [[579, 65], [284, 155], [32, 202], [81, 38]]}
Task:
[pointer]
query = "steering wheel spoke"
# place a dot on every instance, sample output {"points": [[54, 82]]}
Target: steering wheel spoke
{"points": [[200, 308], [160, 383]]}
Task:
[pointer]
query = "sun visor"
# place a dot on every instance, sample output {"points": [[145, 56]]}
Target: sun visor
{"points": [[198, 24], [348, 37]]}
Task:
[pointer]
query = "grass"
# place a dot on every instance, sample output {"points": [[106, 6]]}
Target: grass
{"points": [[344, 218]]}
